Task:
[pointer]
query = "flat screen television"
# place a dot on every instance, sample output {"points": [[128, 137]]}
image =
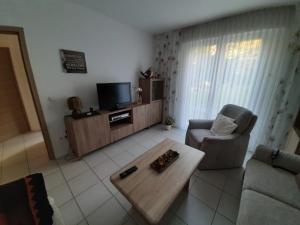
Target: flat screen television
{"points": [[114, 96]]}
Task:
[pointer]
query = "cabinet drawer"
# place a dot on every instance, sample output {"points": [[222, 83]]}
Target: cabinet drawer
{"points": [[119, 132]]}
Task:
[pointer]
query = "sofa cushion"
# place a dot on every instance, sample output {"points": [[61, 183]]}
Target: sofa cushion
{"points": [[256, 208], [195, 136], [276, 183]]}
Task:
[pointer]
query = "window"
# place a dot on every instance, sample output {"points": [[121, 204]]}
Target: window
{"points": [[240, 60], [216, 72]]}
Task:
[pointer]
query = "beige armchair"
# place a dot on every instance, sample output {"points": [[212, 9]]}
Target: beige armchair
{"points": [[222, 152]]}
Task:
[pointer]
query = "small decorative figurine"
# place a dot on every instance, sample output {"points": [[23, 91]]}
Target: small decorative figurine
{"points": [[148, 73], [74, 104]]}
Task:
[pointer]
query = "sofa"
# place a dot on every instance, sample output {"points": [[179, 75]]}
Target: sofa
{"points": [[222, 152], [270, 193]]}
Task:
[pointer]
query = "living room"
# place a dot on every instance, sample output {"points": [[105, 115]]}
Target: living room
{"points": [[150, 112]]}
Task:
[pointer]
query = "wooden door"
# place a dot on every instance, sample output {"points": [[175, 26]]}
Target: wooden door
{"points": [[11, 41], [139, 118], [155, 112], [14, 39], [13, 119]]}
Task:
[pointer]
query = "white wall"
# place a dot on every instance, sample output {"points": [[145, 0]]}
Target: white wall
{"points": [[114, 53]]}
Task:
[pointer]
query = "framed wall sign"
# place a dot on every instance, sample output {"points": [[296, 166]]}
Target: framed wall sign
{"points": [[73, 61]]}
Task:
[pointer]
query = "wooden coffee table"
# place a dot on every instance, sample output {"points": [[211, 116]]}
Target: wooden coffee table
{"points": [[152, 193]]}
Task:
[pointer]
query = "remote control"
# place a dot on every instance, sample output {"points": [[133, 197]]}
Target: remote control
{"points": [[128, 172]]}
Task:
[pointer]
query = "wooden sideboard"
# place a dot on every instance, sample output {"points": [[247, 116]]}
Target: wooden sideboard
{"points": [[88, 134]]}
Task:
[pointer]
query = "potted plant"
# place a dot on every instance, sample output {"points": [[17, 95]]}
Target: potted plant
{"points": [[169, 122]]}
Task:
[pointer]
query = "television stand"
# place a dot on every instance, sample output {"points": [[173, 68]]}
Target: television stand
{"points": [[120, 115], [88, 134], [118, 118]]}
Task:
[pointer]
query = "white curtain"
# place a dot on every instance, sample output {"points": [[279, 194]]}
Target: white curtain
{"points": [[239, 60]]}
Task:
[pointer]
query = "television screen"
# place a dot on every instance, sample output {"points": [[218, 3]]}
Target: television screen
{"points": [[113, 96]]}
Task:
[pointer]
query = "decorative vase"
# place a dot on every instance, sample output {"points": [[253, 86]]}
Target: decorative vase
{"points": [[140, 100], [168, 127]]}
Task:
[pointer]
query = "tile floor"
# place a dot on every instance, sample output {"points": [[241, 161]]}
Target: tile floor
{"points": [[83, 192], [22, 155]]}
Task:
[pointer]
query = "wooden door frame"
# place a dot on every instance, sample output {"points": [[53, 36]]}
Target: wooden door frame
{"points": [[19, 31]]}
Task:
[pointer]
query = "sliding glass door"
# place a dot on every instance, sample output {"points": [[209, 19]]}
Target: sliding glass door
{"points": [[242, 68]]}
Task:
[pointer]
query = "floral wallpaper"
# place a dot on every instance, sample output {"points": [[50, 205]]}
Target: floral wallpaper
{"points": [[166, 64], [288, 99]]}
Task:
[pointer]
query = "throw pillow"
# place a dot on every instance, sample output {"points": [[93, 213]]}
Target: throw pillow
{"points": [[223, 125]]}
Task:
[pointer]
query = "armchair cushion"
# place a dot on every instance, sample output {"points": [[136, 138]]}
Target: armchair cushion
{"points": [[223, 125], [196, 136], [241, 116]]}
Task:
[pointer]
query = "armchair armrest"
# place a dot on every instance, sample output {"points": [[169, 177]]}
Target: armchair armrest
{"points": [[284, 160], [221, 142], [225, 138], [200, 124], [224, 151]]}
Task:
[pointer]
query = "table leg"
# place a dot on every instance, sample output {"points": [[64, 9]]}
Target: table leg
{"points": [[139, 217], [187, 185]]}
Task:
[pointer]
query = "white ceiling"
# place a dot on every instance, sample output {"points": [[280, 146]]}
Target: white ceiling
{"points": [[155, 16]]}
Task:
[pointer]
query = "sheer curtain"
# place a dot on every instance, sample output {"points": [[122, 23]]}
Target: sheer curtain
{"points": [[240, 60]]}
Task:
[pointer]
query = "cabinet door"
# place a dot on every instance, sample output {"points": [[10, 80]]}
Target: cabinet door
{"points": [[139, 117], [146, 94], [98, 134], [155, 112], [91, 133], [148, 115], [121, 132]]}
